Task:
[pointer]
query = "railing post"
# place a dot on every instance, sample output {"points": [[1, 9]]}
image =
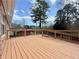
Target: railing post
{"points": [[61, 35], [42, 32], [47, 32], [8, 34], [55, 34], [35, 31], [24, 32]]}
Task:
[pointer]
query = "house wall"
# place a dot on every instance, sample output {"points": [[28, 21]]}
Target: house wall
{"points": [[2, 24], [6, 13]]}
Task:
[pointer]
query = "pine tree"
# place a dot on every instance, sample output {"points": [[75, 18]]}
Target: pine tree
{"points": [[39, 12]]}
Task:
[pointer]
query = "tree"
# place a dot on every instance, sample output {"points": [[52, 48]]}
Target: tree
{"points": [[26, 26], [66, 16], [39, 11], [71, 13], [60, 22], [16, 26]]}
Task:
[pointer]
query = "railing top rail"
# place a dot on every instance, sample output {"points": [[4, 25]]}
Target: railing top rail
{"points": [[49, 30]]}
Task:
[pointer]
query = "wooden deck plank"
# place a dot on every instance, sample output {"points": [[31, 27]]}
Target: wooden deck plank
{"points": [[23, 54], [34, 52], [9, 53], [4, 53], [14, 56], [18, 52], [38, 47], [43, 51], [27, 51]]}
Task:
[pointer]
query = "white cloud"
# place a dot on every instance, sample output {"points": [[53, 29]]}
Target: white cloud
{"points": [[70, 1], [53, 1], [22, 11], [32, 1], [74, 0], [17, 17], [15, 11], [51, 19]]}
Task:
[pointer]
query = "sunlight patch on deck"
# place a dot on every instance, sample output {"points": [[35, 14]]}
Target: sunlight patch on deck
{"points": [[38, 47]]}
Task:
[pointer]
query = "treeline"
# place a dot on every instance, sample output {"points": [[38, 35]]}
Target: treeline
{"points": [[67, 17], [20, 26]]}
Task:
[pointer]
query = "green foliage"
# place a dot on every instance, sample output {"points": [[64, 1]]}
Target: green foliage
{"points": [[39, 11], [16, 26], [60, 20], [19, 26], [66, 16]]}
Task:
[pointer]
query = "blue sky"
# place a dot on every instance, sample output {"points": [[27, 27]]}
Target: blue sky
{"points": [[23, 11]]}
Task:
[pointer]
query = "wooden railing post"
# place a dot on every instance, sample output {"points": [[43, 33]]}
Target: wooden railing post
{"points": [[35, 31], [8, 34], [42, 32], [61, 35], [55, 34], [24, 32], [47, 32]]}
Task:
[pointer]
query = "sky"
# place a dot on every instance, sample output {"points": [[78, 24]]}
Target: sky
{"points": [[22, 11]]}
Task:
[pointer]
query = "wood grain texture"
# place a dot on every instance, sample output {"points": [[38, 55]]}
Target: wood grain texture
{"points": [[38, 47]]}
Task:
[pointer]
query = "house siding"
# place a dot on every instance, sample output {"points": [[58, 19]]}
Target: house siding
{"points": [[6, 13]]}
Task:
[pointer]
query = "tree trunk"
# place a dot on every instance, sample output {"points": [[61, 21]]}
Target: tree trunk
{"points": [[36, 29], [42, 29], [40, 24]]}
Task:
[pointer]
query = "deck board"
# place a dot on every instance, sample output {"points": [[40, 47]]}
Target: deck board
{"points": [[38, 47]]}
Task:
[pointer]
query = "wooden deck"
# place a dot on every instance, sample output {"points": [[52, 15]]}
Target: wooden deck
{"points": [[38, 47]]}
